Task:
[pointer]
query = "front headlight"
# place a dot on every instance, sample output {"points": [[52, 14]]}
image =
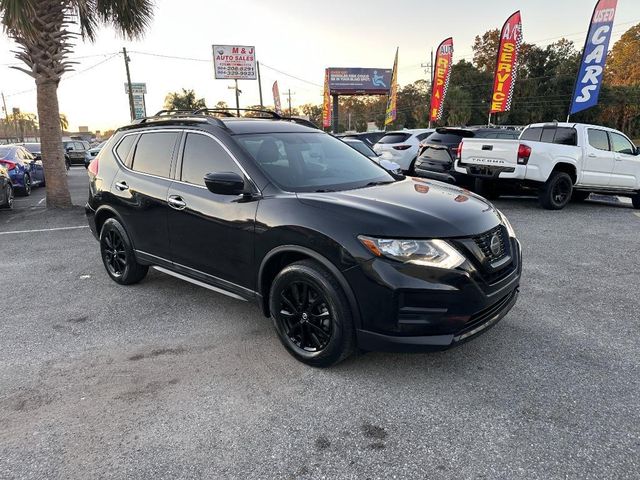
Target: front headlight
{"points": [[430, 253], [507, 224]]}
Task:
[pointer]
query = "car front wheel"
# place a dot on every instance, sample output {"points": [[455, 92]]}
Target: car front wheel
{"points": [[117, 254], [311, 314]]}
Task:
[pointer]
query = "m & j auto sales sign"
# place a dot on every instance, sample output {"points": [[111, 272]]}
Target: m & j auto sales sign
{"points": [[234, 62]]}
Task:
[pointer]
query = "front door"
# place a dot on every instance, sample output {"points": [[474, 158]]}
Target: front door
{"points": [[209, 233], [597, 165], [626, 172], [141, 186]]}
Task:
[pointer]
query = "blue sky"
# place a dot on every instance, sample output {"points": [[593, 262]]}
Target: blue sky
{"points": [[299, 38]]}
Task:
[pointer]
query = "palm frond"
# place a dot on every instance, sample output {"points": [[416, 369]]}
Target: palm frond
{"points": [[130, 18]]}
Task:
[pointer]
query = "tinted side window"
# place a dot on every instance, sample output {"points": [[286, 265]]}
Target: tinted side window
{"points": [[566, 136], [598, 139], [124, 147], [153, 153], [533, 134], [422, 136], [620, 144], [204, 155]]}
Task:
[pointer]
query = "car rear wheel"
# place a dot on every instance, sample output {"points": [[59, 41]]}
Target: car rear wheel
{"points": [[26, 185], [487, 189], [311, 314], [118, 256], [556, 191], [9, 198]]}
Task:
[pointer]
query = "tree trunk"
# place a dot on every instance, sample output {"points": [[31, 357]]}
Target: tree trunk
{"points": [[55, 170]]}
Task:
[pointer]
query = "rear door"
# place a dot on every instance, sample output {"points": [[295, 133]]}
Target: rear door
{"points": [[141, 186], [626, 170], [209, 233], [598, 159]]}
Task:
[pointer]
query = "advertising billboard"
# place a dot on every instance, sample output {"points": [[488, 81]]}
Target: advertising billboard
{"points": [[234, 62], [587, 88], [506, 67], [359, 81], [441, 75]]}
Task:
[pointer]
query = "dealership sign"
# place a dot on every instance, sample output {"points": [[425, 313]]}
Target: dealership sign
{"points": [[136, 88], [505, 76], [587, 88], [234, 62], [444, 59], [359, 81]]}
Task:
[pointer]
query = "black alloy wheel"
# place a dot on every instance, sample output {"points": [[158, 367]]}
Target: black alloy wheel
{"points": [[556, 192], [305, 316], [311, 314], [26, 189], [117, 254], [562, 190]]}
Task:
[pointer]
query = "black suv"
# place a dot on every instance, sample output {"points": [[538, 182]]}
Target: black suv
{"points": [[437, 153], [341, 253]]}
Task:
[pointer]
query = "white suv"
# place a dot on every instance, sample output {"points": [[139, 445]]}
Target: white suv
{"points": [[401, 147]]}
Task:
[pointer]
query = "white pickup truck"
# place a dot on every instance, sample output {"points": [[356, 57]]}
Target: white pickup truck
{"points": [[560, 160]]}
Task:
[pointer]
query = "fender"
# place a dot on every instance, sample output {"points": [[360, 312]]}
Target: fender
{"points": [[351, 298]]}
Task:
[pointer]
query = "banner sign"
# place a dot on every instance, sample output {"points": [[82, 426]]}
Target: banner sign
{"points": [[276, 98], [505, 76], [392, 104], [326, 103], [587, 88], [359, 81], [440, 82], [139, 108], [136, 88], [234, 62]]}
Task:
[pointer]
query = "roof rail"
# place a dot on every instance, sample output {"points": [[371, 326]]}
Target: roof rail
{"points": [[227, 112], [179, 115]]}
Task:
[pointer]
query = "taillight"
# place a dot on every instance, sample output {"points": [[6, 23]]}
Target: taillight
{"points": [[402, 147], [93, 167], [459, 151], [524, 152], [10, 165]]}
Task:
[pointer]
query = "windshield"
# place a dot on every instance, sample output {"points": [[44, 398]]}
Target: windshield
{"points": [[32, 147], [361, 147], [308, 162]]}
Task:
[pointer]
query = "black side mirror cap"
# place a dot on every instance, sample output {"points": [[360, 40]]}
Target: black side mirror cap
{"points": [[225, 183]]}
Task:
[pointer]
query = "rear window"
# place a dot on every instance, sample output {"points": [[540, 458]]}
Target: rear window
{"points": [[444, 138], [153, 153], [533, 134], [566, 136], [395, 138]]}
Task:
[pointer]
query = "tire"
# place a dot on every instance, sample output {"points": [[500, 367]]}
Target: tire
{"points": [[26, 182], [8, 205], [315, 325], [579, 196], [636, 201], [486, 188], [556, 191], [412, 167], [118, 256]]}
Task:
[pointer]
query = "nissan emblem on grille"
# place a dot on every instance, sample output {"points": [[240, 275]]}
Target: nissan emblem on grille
{"points": [[495, 245]]}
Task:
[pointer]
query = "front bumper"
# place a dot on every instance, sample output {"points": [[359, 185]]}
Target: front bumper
{"points": [[411, 308]]}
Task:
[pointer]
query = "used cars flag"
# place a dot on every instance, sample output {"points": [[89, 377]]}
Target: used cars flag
{"points": [[596, 46], [507, 64], [326, 103], [440, 81], [276, 98], [392, 103]]}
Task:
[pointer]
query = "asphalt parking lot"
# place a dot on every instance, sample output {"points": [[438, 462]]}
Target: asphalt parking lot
{"points": [[165, 379]]}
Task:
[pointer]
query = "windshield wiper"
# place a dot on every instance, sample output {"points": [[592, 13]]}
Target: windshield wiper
{"points": [[324, 190], [375, 184]]}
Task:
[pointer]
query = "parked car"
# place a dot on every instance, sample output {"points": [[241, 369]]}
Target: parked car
{"points": [[337, 250], [24, 170], [560, 161], [33, 148], [92, 153], [437, 153], [370, 138], [6, 188], [76, 150], [402, 147], [364, 149]]}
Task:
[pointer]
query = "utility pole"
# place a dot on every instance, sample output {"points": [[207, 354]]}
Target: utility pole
{"points": [[260, 86], [430, 67], [132, 110], [290, 112], [6, 115], [238, 92]]}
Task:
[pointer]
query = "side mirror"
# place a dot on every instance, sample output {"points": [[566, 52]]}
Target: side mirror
{"points": [[225, 183]]}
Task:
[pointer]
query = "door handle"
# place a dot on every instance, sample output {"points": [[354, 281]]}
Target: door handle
{"points": [[122, 186], [618, 158], [176, 202]]}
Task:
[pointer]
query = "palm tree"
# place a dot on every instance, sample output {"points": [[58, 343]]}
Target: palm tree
{"points": [[44, 31], [64, 122]]}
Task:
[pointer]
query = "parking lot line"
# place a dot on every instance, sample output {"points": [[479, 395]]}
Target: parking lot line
{"points": [[15, 232]]}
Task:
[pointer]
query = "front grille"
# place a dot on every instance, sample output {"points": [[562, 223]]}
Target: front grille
{"points": [[484, 243]]}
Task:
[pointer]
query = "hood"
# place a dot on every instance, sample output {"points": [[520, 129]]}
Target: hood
{"points": [[411, 208]]}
